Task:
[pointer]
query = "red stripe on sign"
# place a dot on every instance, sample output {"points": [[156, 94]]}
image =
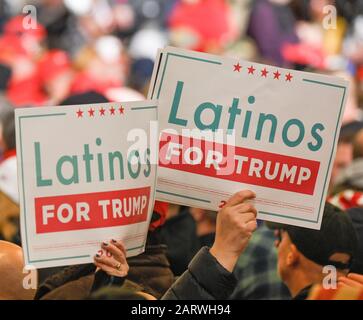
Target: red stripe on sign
{"points": [[243, 165], [91, 210]]}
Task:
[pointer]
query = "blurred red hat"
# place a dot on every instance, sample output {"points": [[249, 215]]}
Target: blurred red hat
{"points": [[210, 20], [53, 63], [15, 27], [304, 54], [84, 81]]}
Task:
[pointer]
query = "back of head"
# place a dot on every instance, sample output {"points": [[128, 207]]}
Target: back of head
{"points": [[336, 243], [337, 238], [11, 273], [356, 214], [84, 98]]}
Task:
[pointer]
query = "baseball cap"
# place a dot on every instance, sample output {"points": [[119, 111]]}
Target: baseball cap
{"points": [[356, 214], [337, 235]]}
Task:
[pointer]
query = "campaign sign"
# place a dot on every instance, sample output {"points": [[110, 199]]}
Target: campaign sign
{"points": [[85, 176], [228, 125]]}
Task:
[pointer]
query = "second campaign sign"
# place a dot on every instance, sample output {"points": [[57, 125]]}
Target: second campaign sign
{"points": [[85, 176], [228, 125]]}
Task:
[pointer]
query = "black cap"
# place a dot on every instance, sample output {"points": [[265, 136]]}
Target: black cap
{"points": [[356, 215], [336, 235]]}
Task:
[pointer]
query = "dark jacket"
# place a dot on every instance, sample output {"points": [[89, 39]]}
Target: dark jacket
{"points": [[150, 271], [303, 294], [180, 235], [81, 289], [205, 279], [356, 214]]}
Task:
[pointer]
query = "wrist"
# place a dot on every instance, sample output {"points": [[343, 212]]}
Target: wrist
{"points": [[225, 258]]}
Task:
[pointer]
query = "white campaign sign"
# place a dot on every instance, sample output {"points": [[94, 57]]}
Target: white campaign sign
{"points": [[85, 176], [257, 127]]}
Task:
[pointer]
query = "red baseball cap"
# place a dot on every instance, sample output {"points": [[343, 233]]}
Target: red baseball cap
{"points": [[15, 27], [209, 19]]}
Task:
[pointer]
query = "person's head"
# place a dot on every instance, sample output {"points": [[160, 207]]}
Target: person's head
{"points": [[358, 145], [343, 158], [56, 74], [303, 253], [84, 98], [350, 145], [11, 273], [317, 8]]}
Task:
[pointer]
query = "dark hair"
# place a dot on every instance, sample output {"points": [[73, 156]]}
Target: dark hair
{"points": [[8, 129], [116, 293], [65, 275], [5, 75], [349, 131], [85, 98]]}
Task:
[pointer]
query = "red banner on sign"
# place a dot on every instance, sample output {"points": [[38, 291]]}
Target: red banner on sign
{"points": [[238, 164], [91, 210]]}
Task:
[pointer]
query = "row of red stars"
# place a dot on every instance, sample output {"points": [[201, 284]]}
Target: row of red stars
{"points": [[264, 72], [102, 112]]}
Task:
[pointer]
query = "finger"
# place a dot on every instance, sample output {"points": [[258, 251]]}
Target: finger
{"points": [[251, 225], [111, 271], [342, 285], [115, 251], [246, 207], [349, 282], [119, 244], [110, 261], [246, 217], [356, 277], [240, 197]]}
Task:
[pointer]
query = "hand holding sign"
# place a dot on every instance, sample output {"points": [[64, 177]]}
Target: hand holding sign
{"points": [[112, 259], [236, 222]]}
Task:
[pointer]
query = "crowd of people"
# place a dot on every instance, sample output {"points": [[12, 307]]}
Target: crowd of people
{"points": [[63, 52]]}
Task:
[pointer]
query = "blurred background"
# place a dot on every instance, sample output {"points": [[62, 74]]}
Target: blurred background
{"points": [[51, 49], [58, 52]]}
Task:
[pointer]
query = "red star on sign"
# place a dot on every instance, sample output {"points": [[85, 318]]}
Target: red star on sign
{"points": [[251, 70], [264, 73], [112, 111], [237, 67], [277, 75], [121, 109], [289, 77], [102, 111], [79, 113], [91, 112]]}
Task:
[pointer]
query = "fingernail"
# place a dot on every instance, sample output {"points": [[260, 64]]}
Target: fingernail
{"points": [[105, 244], [113, 240], [97, 255]]}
